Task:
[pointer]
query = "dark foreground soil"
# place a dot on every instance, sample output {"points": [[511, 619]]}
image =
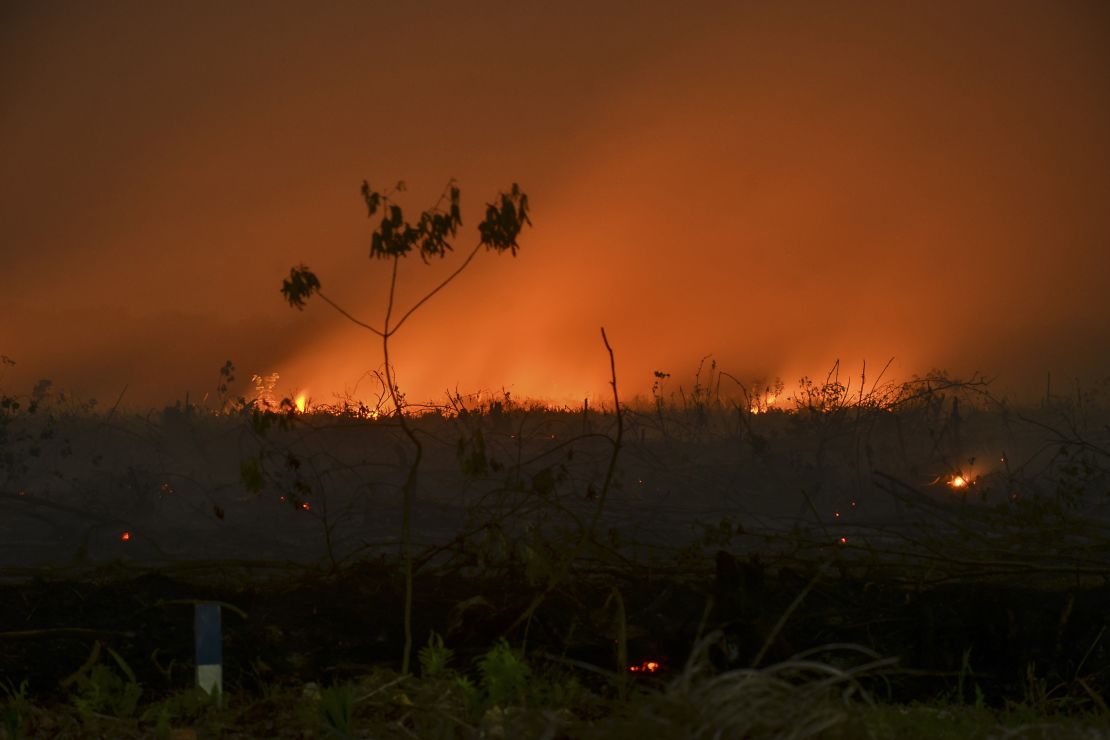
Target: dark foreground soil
{"points": [[285, 625]]}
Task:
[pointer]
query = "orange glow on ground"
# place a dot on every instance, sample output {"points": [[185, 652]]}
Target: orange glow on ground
{"points": [[647, 666]]}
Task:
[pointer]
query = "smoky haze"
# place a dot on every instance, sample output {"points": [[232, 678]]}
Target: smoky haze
{"points": [[777, 185]]}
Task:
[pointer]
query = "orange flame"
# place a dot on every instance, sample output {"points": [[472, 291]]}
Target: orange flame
{"points": [[646, 666], [761, 405], [959, 481]]}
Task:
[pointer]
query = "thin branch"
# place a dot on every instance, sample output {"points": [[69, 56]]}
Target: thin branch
{"points": [[587, 535], [336, 306], [777, 629], [612, 468], [389, 304], [438, 288]]}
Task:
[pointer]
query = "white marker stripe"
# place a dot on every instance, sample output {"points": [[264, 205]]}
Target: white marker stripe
{"points": [[209, 648], [211, 678]]}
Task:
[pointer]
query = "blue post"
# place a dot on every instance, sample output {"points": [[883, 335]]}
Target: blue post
{"points": [[210, 648]]}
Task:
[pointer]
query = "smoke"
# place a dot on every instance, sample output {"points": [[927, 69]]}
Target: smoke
{"points": [[777, 186]]}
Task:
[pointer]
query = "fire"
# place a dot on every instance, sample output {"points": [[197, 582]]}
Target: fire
{"points": [[763, 405], [647, 666], [960, 482], [301, 402]]}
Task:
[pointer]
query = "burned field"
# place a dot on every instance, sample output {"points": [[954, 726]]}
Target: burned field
{"points": [[930, 545]]}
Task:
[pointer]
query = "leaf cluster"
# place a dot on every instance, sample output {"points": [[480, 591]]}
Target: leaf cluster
{"points": [[396, 237], [505, 220], [435, 657], [300, 284]]}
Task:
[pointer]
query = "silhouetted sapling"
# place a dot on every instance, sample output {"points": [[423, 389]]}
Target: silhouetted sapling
{"points": [[393, 239]]}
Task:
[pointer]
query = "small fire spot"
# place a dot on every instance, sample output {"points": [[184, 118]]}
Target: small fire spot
{"points": [[304, 506], [646, 666], [166, 488], [959, 481], [125, 537], [843, 540], [836, 514]]}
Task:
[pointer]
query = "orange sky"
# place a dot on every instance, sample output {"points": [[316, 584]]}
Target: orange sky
{"points": [[776, 184]]}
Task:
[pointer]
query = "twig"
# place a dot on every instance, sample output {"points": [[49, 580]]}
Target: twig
{"points": [[438, 288], [774, 633], [587, 535], [383, 687], [337, 307]]}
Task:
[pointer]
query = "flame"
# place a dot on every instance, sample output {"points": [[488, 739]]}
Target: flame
{"points": [[301, 402], [761, 405], [959, 481], [647, 666]]}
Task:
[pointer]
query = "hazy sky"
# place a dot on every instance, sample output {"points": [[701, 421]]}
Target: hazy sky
{"points": [[776, 184]]}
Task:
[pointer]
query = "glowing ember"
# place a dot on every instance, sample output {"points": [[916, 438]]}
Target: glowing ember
{"points": [[843, 540], [647, 666], [958, 481], [125, 537]]}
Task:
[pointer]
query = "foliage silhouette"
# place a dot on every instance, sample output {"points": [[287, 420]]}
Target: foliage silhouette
{"points": [[393, 239]]}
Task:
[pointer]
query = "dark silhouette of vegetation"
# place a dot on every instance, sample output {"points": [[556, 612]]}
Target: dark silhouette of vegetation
{"points": [[394, 238]]}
